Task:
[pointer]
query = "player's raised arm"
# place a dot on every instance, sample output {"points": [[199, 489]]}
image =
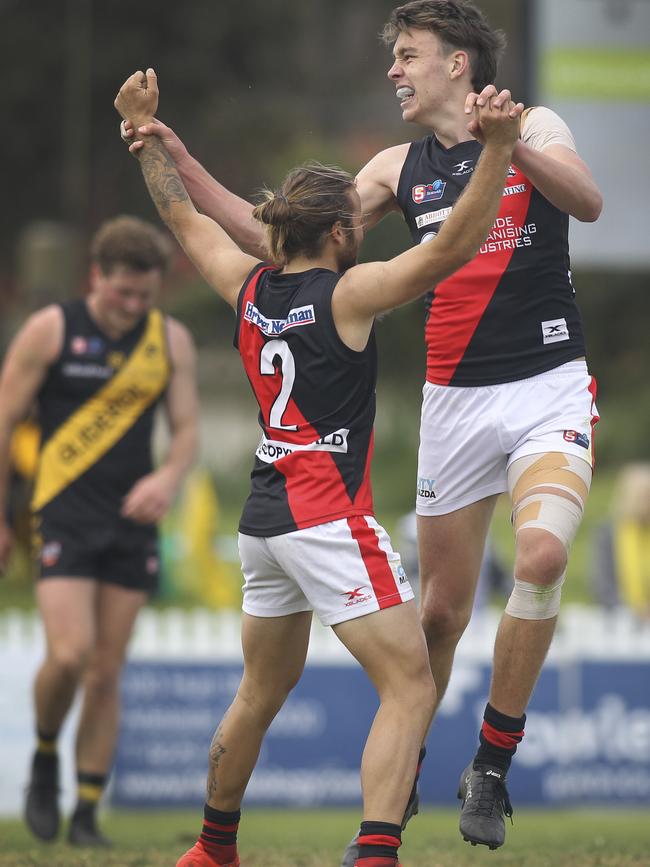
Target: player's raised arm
{"points": [[233, 213], [561, 176], [547, 155], [213, 252], [378, 286], [375, 184]]}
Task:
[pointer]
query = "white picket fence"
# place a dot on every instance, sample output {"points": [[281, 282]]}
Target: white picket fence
{"points": [[200, 634]]}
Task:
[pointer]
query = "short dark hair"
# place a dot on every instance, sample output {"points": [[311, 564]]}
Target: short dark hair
{"points": [[310, 200], [132, 242], [458, 24]]}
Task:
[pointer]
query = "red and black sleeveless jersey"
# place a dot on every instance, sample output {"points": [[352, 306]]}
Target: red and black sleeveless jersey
{"points": [[317, 404], [96, 411], [510, 313]]}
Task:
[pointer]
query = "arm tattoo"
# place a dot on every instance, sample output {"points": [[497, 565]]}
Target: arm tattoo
{"points": [[162, 179]]}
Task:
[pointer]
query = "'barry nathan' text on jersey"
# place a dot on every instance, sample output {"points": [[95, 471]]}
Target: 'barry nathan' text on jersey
{"points": [[510, 313], [317, 404], [96, 410]]}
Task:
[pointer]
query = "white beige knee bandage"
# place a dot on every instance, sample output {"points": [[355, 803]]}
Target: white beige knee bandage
{"points": [[535, 601], [548, 492]]}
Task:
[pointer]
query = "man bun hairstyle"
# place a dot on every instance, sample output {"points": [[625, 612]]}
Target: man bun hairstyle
{"points": [[275, 210], [459, 24], [132, 242], [299, 214]]}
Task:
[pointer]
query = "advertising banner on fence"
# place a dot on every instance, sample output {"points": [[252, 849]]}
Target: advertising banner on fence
{"points": [[587, 737]]}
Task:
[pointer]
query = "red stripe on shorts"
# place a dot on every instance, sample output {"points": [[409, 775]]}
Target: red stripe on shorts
{"points": [[595, 418], [376, 562]]}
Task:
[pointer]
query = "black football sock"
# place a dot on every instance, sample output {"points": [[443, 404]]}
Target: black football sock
{"points": [[219, 834], [499, 737]]}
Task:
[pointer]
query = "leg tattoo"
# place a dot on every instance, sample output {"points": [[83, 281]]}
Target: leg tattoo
{"points": [[217, 751]]}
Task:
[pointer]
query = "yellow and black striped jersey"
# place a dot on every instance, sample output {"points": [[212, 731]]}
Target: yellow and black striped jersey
{"points": [[95, 410]]}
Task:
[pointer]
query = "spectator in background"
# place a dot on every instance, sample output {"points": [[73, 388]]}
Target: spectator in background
{"points": [[621, 566]]}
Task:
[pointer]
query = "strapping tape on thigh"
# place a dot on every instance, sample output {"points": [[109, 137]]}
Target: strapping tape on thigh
{"points": [[549, 494], [566, 472]]}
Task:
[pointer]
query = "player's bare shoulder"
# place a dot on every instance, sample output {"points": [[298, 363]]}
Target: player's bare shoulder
{"points": [[42, 334], [378, 180], [385, 167]]}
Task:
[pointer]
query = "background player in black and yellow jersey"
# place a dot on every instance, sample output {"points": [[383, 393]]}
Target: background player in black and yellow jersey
{"points": [[308, 539], [509, 402], [97, 368]]}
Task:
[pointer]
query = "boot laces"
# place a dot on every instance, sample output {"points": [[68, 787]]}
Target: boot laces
{"points": [[491, 792]]}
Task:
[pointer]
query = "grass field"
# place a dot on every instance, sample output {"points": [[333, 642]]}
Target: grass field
{"points": [[315, 838]]}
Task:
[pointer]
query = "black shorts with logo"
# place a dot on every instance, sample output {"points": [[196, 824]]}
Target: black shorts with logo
{"points": [[120, 552]]}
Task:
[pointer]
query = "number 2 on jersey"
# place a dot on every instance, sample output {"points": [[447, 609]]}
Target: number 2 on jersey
{"points": [[270, 351]]}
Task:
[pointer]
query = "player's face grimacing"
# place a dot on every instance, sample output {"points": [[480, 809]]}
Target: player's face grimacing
{"points": [[124, 295], [419, 73]]}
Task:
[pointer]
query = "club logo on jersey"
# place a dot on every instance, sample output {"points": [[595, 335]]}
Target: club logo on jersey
{"points": [[429, 236], [432, 192], [512, 172], [465, 167], [115, 360], [555, 330], [356, 595], [297, 316], [426, 488], [86, 345], [432, 217], [574, 436], [50, 553]]}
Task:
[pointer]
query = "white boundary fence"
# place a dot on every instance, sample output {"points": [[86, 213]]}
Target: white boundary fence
{"points": [[584, 632]]}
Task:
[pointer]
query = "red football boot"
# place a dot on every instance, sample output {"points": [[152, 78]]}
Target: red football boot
{"points": [[198, 856]]}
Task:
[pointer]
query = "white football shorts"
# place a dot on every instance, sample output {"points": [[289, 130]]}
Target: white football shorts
{"points": [[470, 436], [341, 570]]}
